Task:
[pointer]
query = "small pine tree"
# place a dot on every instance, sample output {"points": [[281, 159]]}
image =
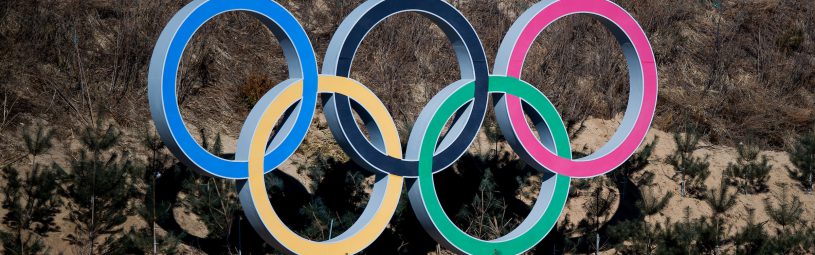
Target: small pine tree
{"points": [[720, 201], [486, 213], [135, 241], [752, 239], [213, 200], [38, 142], [494, 135], [320, 220], [650, 204], [803, 158], [693, 171], [30, 202], [31, 205], [635, 164], [566, 230], [786, 211], [809, 231], [791, 241], [690, 236], [674, 238], [328, 215], [633, 237], [98, 189], [579, 186], [749, 174], [597, 208], [147, 239], [639, 236]]}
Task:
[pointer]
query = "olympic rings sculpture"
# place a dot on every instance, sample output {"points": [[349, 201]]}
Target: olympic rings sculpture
{"points": [[465, 102]]}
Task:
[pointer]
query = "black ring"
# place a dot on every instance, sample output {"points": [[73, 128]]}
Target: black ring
{"points": [[472, 61]]}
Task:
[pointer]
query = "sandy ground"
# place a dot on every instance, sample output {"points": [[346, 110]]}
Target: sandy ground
{"points": [[595, 134], [598, 131]]}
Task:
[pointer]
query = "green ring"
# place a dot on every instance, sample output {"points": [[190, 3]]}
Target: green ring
{"points": [[520, 242]]}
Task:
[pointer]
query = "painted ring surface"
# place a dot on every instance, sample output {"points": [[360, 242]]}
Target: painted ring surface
{"points": [[641, 101], [292, 104], [384, 195], [546, 210], [164, 68], [472, 61]]}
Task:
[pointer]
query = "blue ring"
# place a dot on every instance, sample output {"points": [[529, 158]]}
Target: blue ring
{"points": [[164, 68]]}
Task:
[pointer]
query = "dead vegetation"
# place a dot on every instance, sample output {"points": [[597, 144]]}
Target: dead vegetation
{"points": [[738, 70]]}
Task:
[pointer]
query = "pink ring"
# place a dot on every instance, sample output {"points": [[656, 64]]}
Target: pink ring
{"points": [[642, 72]]}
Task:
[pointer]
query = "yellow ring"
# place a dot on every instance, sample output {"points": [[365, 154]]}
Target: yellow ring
{"points": [[358, 237]]}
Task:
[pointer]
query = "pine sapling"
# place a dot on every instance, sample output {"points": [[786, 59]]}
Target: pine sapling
{"points": [[140, 239], [692, 170], [624, 174], [30, 201], [639, 236], [214, 200], [786, 210], [98, 189], [803, 158], [651, 204], [31, 205], [486, 212], [752, 239], [598, 208], [38, 142], [720, 201], [750, 173], [690, 236], [791, 241]]}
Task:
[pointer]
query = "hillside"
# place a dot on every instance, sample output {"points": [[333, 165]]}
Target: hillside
{"points": [[736, 72]]}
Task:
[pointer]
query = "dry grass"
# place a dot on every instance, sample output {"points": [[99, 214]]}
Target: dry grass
{"points": [[745, 71]]}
